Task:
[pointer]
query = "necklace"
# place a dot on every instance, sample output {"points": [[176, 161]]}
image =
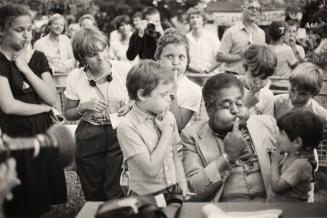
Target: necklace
{"points": [[100, 77]]}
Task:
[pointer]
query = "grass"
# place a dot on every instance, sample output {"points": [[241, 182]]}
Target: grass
{"points": [[75, 199]]}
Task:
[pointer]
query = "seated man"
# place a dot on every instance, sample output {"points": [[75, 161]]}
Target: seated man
{"points": [[225, 158]]}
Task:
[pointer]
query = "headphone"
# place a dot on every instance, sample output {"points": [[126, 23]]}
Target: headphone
{"points": [[93, 83]]}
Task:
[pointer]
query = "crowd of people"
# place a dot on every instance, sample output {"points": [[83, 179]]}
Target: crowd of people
{"points": [[134, 103]]}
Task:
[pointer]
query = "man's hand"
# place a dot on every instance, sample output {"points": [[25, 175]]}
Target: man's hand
{"points": [[234, 142]]}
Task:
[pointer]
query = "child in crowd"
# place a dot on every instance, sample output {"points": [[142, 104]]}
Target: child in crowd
{"points": [[95, 95], [173, 52], [305, 83], [259, 64], [299, 133], [148, 134], [286, 59], [290, 39]]}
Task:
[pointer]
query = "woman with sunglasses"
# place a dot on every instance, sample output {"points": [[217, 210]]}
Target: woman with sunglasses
{"points": [[96, 93]]}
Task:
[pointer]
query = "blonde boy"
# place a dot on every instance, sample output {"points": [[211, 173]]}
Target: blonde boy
{"points": [[148, 134]]}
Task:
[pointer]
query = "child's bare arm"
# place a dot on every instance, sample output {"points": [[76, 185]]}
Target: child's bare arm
{"points": [[277, 183], [151, 163]]}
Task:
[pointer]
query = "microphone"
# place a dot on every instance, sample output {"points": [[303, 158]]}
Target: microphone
{"points": [[57, 140]]}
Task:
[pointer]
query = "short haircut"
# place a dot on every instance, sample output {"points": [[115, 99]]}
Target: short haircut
{"points": [[291, 22], [147, 75], [149, 11], [276, 30], [260, 61], [172, 36], [304, 124], [87, 16], [137, 14], [88, 42], [195, 10], [73, 26], [55, 17], [9, 12], [307, 76], [120, 20], [215, 84]]}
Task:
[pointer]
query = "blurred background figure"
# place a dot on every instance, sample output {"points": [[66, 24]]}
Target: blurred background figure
{"points": [[202, 53], [238, 37], [119, 46], [58, 50], [87, 20], [72, 29], [285, 56], [143, 42], [291, 27]]}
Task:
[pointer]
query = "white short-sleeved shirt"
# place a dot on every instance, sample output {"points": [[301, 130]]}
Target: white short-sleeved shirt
{"points": [[115, 92], [188, 94], [265, 104], [203, 51]]}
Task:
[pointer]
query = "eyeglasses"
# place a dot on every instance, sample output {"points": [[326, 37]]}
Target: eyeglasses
{"points": [[253, 8]]}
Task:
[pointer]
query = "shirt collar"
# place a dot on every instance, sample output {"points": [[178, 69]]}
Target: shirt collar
{"points": [[242, 27], [306, 106], [141, 116]]}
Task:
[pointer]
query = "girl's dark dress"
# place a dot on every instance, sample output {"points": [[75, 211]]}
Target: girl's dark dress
{"points": [[43, 180]]}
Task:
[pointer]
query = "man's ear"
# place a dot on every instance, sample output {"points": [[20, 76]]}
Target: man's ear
{"points": [[140, 95], [298, 142]]}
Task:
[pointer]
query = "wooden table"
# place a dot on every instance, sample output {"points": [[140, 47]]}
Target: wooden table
{"points": [[193, 210]]}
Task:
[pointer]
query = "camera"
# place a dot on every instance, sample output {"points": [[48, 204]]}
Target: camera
{"points": [[57, 141], [151, 30]]}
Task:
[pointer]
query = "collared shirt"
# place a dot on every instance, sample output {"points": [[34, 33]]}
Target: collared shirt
{"points": [[236, 39], [245, 181], [203, 50], [114, 93], [283, 104], [137, 133]]}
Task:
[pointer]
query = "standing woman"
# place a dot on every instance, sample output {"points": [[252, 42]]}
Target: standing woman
{"points": [[27, 93], [58, 49], [96, 93]]}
